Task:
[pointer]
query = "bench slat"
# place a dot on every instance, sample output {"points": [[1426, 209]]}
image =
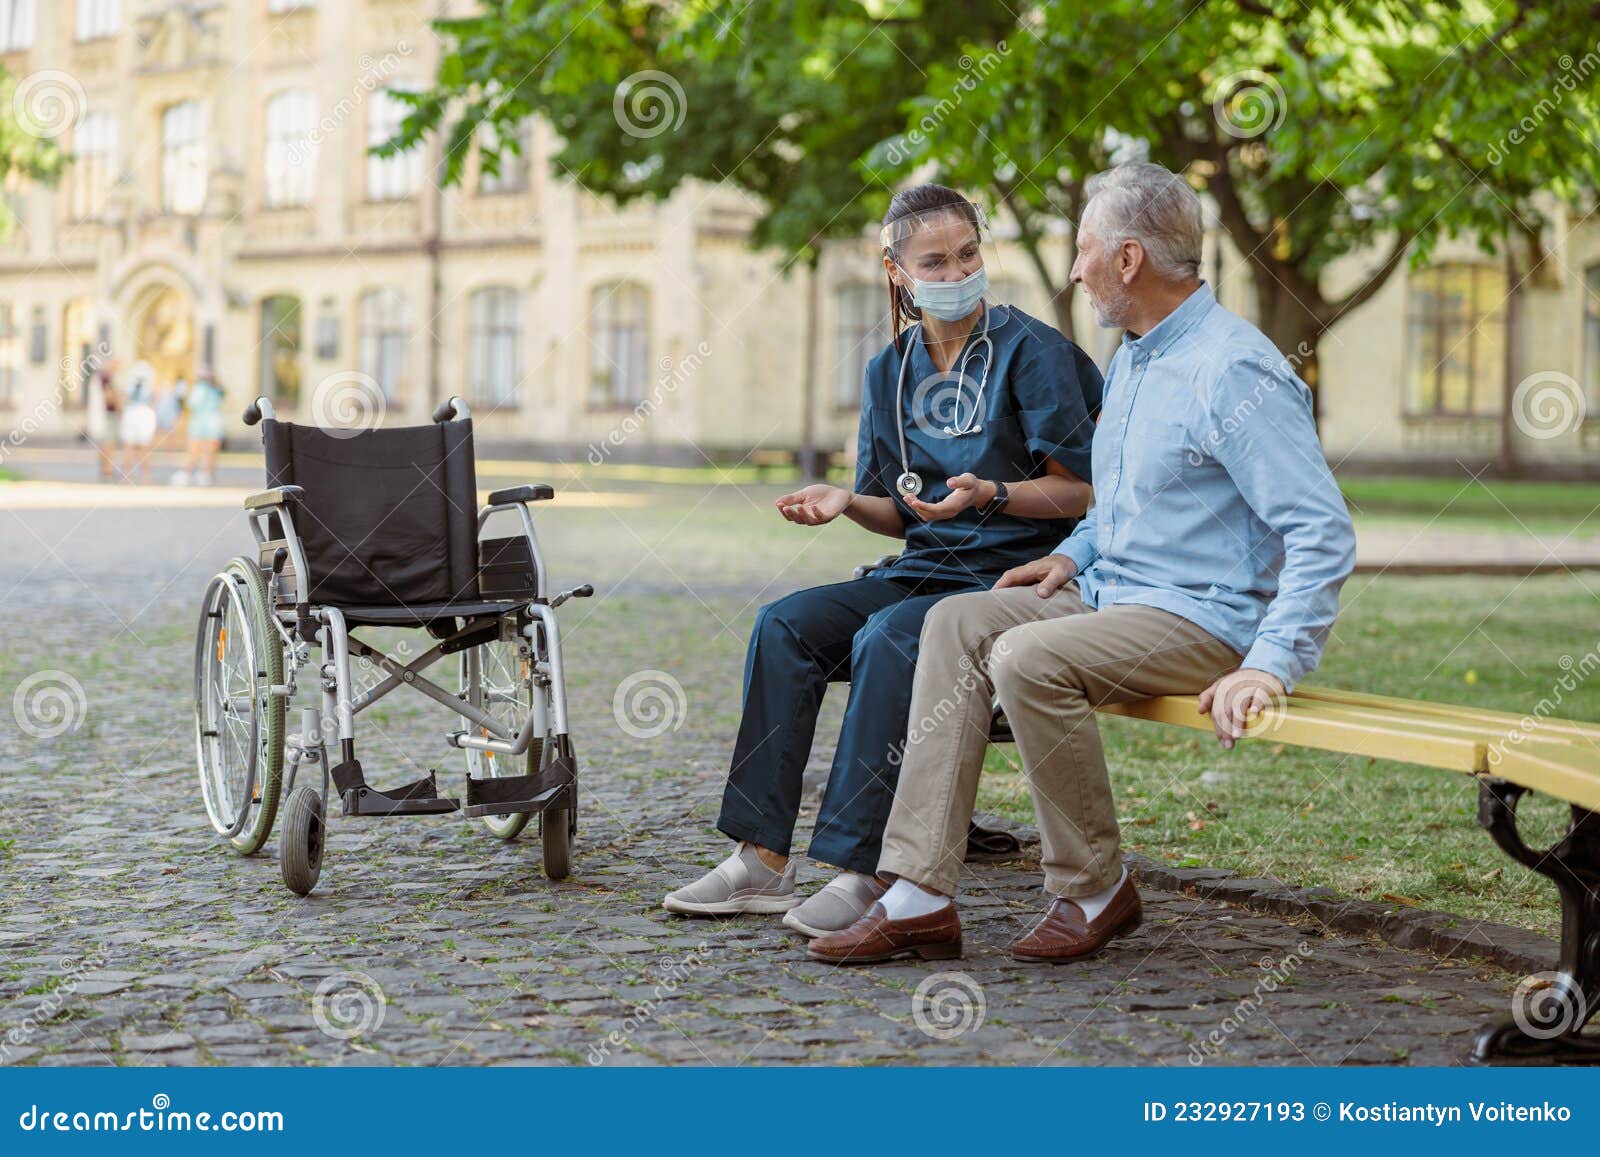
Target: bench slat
{"points": [[1564, 766], [1329, 731], [1502, 721]]}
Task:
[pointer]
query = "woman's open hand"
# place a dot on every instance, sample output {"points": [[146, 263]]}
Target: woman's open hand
{"points": [[965, 490], [815, 505]]}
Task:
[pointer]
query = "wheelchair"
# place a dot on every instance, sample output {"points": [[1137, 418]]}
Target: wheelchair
{"points": [[380, 528]]}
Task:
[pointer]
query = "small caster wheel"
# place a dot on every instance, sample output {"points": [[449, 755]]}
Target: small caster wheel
{"points": [[555, 834], [301, 841]]}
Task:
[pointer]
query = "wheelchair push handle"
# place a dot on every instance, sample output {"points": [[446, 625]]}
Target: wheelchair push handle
{"points": [[451, 408], [583, 592], [258, 409]]}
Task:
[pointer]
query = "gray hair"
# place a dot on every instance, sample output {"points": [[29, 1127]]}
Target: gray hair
{"points": [[1148, 203]]}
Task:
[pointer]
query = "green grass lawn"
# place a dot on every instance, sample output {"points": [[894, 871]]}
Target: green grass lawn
{"points": [[1463, 504], [1363, 827]]}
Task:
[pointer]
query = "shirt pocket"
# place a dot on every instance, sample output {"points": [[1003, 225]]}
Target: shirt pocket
{"points": [[1158, 457]]}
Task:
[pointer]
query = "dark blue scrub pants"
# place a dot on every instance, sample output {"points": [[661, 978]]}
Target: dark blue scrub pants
{"points": [[863, 633]]}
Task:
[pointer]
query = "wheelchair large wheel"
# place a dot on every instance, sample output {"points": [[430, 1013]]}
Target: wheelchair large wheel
{"points": [[497, 677], [238, 721]]}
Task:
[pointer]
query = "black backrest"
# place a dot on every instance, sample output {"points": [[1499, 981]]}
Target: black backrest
{"points": [[389, 516]]}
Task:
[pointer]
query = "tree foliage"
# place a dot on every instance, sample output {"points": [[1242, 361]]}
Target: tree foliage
{"points": [[1321, 129]]}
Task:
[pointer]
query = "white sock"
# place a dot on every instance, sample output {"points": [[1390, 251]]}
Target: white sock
{"points": [[905, 901], [1094, 905]]}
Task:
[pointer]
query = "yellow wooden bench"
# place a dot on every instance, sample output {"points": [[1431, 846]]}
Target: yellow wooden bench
{"points": [[1509, 755]]}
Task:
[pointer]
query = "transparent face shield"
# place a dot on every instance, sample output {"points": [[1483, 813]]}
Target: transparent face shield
{"points": [[942, 246]]}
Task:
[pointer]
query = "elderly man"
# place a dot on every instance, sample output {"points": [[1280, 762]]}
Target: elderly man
{"points": [[1211, 563]]}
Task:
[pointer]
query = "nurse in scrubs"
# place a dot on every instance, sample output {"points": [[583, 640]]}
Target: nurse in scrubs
{"points": [[973, 449]]}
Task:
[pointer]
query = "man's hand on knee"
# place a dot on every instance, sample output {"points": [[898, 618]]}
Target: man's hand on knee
{"points": [[1233, 700], [1046, 575]]}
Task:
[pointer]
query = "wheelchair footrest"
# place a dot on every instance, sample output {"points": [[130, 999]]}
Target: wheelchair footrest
{"points": [[554, 787], [421, 798]]}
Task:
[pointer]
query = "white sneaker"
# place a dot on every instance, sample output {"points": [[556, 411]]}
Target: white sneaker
{"points": [[741, 883], [204, 480], [181, 478]]}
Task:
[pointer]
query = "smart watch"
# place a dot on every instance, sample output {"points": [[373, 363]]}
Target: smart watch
{"points": [[1001, 494]]}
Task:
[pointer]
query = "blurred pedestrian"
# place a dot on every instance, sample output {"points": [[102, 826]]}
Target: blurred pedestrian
{"points": [[205, 431], [102, 418], [138, 424]]}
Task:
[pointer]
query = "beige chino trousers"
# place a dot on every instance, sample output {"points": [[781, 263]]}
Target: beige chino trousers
{"points": [[1050, 662]]}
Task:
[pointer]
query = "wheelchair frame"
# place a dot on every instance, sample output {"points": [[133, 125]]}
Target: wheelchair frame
{"points": [[301, 625]]}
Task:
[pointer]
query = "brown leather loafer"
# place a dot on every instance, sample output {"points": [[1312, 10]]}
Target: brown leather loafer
{"points": [[1065, 935], [875, 937]]}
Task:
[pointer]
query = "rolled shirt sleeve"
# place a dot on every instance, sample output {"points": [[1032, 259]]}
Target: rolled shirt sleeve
{"points": [[1272, 454], [1057, 388], [869, 470]]}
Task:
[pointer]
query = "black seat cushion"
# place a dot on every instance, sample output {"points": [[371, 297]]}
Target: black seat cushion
{"points": [[388, 517], [421, 614]]}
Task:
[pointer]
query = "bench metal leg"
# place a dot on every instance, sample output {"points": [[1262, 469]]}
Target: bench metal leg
{"points": [[1547, 1028]]}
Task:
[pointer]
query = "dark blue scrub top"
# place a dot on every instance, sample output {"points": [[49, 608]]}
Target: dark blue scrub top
{"points": [[1038, 404]]}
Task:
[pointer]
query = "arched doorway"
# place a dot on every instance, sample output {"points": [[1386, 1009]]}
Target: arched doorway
{"points": [[163, 334]]}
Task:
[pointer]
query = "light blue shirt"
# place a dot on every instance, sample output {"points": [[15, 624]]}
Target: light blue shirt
{"points": [[1212, 496]]}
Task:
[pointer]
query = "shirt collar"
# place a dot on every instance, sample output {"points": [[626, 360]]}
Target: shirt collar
{"points": [[1170, 328]]}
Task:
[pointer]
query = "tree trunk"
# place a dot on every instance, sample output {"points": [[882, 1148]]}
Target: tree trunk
{"points": [[813, 465], [1296, 332]]}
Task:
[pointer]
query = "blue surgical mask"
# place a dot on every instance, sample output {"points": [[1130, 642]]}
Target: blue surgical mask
{"points": [[950, 300]]}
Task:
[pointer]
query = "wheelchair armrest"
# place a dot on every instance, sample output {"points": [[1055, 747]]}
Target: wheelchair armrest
{"points": [[867, 568], [534, 492], [277, 496]]}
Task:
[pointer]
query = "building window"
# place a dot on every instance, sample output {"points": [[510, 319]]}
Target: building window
{"points": [[861, 330], [79, 357], [98, 18], [1591, 339], [494, 346], [1455, 348], [291, 161], [183, 157], [94, 164], [514, 167], [619, 350], [9, 355], [279, 348], [385, 332], [390, 178], [16, 25]]}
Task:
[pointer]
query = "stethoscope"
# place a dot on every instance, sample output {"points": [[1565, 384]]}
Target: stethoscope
{"points": [[910, 482]]}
